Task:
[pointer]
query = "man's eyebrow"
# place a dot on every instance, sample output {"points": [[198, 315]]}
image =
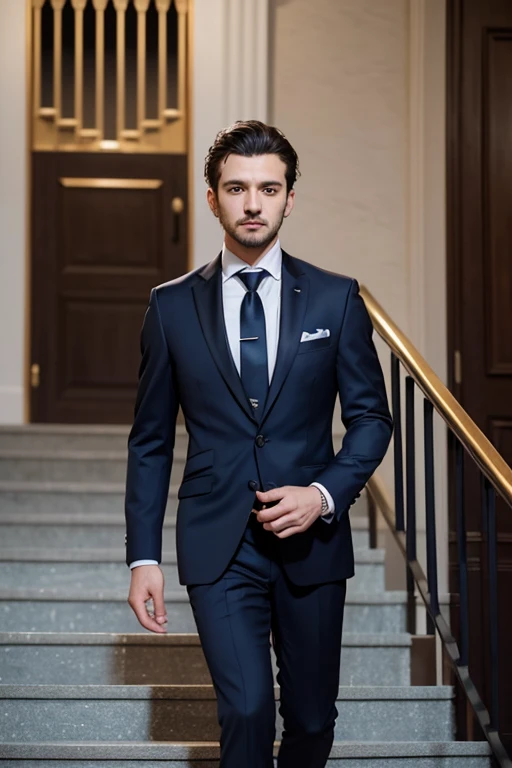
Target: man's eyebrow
{"points": [[240, 183]]}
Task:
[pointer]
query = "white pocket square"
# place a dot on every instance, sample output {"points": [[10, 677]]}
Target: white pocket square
{"points": [[321, 333]]}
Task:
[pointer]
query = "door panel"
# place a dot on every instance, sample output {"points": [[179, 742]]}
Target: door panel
{"points": [[480, 294], [103, 235]]}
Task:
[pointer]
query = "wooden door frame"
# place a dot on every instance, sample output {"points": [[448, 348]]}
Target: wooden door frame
{"points": [[453, 203]]}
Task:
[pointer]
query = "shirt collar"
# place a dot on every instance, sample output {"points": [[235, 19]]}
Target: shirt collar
{"points": [[271, 261]]}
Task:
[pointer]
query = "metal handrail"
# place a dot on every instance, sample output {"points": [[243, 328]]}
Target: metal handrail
{"points": [[496, 475], [490, 462]]}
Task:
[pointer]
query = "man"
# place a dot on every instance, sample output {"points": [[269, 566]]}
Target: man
{"points": [[256, 346]]}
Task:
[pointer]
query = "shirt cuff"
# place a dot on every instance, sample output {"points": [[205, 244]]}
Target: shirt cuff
{"points": [[142, 562], [329, 515]]}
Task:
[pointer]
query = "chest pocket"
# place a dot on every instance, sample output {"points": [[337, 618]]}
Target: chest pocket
{"points": [[314, 344]]}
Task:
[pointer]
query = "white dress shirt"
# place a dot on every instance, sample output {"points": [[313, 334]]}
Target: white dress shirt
{"points": [[269, 290]]}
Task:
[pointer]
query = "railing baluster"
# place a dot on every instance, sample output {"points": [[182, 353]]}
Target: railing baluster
{"points": [[372, 520], [489, 511], [430, 510], [121, 6], [37, 63], [141, 6], [397, 443], [410, 452], [79, 6], [182, 10], [162, 7], [462, 555], [99, 7], [57, 6]]}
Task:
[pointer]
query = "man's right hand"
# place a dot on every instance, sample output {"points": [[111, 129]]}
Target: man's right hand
{"points": [[148, 583]]}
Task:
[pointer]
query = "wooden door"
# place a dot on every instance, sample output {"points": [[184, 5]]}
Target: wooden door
{"points": [[480, 290], [104, 232], [110, 126]]}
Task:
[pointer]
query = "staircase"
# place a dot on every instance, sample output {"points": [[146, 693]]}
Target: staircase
{"points": [[82, 685]]}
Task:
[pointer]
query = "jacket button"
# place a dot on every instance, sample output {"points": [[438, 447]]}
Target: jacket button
{"points": [[260, 441], [253, 485]]}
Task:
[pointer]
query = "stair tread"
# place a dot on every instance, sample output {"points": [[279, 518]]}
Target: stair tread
{"points": [[350, 639], [151, 750], [201, 692], [113, 595], [117, 556]]}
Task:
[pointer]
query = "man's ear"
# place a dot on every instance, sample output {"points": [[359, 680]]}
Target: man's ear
{"points": [[290, 202], [212, 201]]}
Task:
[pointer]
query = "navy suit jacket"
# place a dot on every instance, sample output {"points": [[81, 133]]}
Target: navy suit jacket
{"points": [[186, 361]]}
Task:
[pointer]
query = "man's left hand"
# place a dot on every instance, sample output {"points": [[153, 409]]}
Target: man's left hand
{"points": [[297, 510]]}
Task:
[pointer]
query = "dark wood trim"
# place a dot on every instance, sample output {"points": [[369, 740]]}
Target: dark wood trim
{"points": [[453, 203]]}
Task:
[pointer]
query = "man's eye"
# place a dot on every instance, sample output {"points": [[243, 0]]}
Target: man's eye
{"points": [[235, 189], [270, 190]]}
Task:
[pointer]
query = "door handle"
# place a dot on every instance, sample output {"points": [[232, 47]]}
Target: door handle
{"points": [[177, 208]]}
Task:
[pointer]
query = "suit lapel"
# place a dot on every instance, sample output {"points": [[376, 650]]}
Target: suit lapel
{"points": [[209, 306], [294, 298]]}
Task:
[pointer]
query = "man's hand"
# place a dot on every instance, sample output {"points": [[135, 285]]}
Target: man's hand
{"points": [[148, 583], [297, 510]]}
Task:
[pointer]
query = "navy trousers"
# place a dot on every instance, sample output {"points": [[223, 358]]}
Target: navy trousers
{"points": [[235, 618]]}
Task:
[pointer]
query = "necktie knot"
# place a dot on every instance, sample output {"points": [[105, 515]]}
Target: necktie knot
{"points": [[252, 280]]}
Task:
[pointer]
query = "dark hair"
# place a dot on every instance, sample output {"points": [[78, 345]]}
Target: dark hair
{"points": [[248, 138]]}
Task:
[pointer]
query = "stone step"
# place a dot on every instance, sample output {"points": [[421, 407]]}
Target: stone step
{"points": [[88, 530], [119, 754], [29, 498], [94, 659], [114, 574], [67, 610], [188, 713], [71, 466], [72, 437]]}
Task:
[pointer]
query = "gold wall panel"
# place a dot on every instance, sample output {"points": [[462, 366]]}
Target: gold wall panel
{"points": [[167, 132]]}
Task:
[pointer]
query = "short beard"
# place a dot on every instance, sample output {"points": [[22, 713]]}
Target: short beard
{"points": [[247, 241]]}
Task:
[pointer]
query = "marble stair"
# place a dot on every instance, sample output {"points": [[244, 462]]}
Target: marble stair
{"points": [[82, 685]]}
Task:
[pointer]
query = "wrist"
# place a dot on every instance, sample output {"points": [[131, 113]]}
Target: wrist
{"points": [[323, 504]]}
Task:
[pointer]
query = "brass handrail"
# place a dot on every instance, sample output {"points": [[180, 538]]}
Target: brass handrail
{"points": [[493, 466]]}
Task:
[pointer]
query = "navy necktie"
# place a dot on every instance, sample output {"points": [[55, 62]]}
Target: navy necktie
{"points": [[253, 341]]}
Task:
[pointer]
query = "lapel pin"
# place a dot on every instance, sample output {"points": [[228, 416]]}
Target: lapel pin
{"points": [[297, 290]]}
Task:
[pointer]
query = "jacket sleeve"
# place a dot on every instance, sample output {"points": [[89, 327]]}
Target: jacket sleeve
{"points": [[364, 407], [151, 442]]}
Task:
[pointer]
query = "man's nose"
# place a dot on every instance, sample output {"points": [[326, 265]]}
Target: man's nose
{"points": [[252, 203]]}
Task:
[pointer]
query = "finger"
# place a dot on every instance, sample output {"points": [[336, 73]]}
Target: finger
{"points": [[286, 521], [138, 606], [273, 513], [158, 603], [291, 531], [275, 494]]}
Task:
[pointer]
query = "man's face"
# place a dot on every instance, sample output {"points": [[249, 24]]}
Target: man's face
{"points": [[251, 200]]}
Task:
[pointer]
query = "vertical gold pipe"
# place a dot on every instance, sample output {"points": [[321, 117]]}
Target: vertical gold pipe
{"points": [[78, 6], [121, 6], [57, 6], [141, 6], [162, 8], [37, 61], [182, 9], [99, 7]]}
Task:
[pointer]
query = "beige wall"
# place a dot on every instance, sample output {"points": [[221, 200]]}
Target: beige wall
{"points": [[13, 190], [358, 88], [339, 92]]}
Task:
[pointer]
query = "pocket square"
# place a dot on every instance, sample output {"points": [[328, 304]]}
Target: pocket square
{"points": [[321, 333]]}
